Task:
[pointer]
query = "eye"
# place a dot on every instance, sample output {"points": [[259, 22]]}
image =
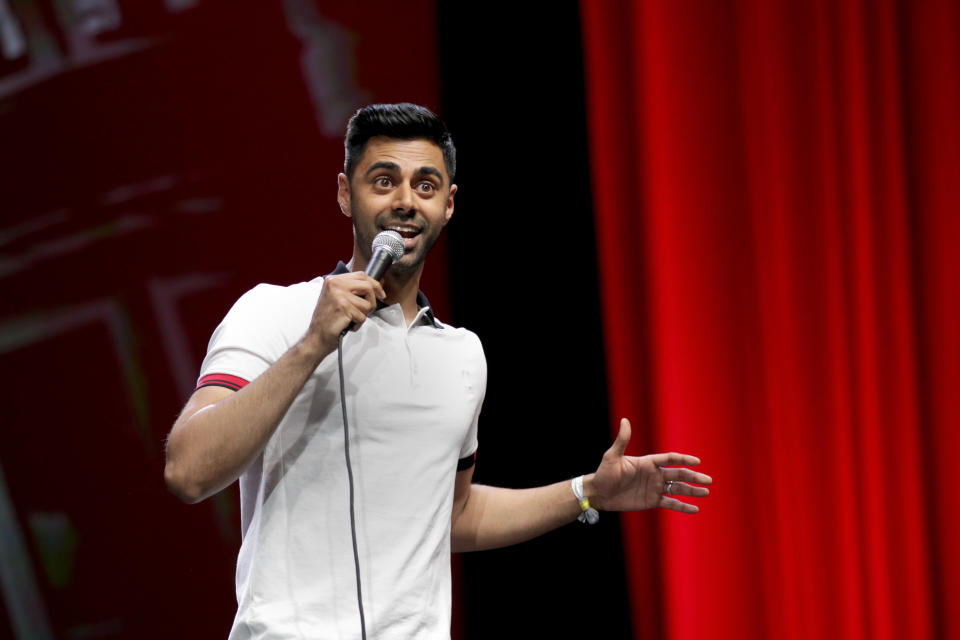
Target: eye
{"points": [[426, 187], [383, 181]]}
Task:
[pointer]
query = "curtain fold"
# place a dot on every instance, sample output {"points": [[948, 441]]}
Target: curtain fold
{"points": [[776, 190]]}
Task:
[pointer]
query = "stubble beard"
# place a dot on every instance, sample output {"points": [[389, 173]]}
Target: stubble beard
{"points": [[411, 261]]}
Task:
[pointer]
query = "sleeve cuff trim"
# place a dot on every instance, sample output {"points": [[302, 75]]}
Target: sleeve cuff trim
{"points": [[467, 462], [235, 383]]}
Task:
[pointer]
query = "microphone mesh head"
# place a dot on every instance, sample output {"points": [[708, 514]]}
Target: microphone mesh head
{"points": [[391, 241]]}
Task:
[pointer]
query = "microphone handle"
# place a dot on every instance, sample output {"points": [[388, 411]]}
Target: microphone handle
{"points": [[379, 263]]}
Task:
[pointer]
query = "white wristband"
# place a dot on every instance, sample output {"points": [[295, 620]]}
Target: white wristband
{"points": [[588, 514]]}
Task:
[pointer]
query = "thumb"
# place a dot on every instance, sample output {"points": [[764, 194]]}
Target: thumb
{"points": [[623, 438]]}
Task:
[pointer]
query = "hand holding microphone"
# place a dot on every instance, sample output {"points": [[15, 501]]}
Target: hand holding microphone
{"points": [[346, 299], [387, 248]]}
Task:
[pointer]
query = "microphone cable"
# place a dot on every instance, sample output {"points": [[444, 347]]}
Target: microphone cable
{"points": [[346, 453], [387, 248]]}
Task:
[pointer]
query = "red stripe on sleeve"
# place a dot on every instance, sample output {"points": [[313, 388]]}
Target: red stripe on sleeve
{"points": [[222, 380]]}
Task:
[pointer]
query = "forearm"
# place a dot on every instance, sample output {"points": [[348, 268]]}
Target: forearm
{"points": [[211, 446], [493, 517]]}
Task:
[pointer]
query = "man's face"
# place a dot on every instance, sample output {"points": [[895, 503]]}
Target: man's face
{"points": [[400, 185]]}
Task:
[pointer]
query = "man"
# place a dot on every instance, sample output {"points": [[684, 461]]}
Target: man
{"points": [[267, 410]]}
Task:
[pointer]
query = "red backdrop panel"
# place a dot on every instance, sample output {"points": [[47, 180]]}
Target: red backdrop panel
{"points": [[158, 159]]}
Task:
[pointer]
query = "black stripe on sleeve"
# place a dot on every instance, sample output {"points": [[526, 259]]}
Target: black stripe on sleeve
{"points": [[225, 385], [466, 463]]}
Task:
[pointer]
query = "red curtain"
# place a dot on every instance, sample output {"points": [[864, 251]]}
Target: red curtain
{"points": [[776, 193]]}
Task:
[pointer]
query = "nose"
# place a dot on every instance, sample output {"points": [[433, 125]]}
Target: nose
{"points": [[403, 198]]}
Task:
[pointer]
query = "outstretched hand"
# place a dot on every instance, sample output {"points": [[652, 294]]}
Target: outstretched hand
{"points": [[629, 483]]}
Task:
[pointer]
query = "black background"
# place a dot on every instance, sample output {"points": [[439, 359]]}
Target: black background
{"points": [[523, 277]]}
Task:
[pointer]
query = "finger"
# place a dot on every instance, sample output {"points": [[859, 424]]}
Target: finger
{"points": [[359, 281], [683, 489], [675, 505], [366, 299], [353, 309], [350, 279], [688, 475], [375, 286], [376, 289], [619, 445], [672, 458], [357, 317]]}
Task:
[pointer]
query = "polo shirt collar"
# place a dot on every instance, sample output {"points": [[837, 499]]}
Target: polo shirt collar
{"points": [[422, 302]]}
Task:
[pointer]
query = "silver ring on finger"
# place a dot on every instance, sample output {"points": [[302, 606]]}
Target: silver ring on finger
{"points": [[669, 487]]}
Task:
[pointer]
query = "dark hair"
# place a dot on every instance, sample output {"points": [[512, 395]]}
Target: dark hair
{"points": [[404, 121]]}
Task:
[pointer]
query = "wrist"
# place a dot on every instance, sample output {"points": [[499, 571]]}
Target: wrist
{"points": [[588, 513], [313, 348], [590, 492]]}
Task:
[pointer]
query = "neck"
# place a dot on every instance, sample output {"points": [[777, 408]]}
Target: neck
{"points": [[401, 287]]}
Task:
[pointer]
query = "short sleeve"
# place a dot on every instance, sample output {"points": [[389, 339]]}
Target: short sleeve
{"points": [[253, 335], [479, 363]]}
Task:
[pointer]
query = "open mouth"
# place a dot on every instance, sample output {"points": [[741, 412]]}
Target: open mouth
{"points": [[406, 231]]}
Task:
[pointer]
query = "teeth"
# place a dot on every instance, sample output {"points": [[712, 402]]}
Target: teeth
{"points": [[400, 229]]}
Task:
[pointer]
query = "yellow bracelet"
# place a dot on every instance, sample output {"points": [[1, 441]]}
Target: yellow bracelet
{"points": [[587, 513]]}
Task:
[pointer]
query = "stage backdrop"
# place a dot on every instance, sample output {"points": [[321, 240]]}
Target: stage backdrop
{"points": [[159, 158], [785, 179]]}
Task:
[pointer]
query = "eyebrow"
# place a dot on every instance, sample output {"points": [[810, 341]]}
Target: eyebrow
{"points": [[430, 171], [389, 166], [394, 167]]}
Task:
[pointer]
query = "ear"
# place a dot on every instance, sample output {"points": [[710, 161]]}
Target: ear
{"points": [[343, 194], [449, 212]]}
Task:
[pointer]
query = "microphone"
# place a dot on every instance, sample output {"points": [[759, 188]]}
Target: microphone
{"points": [[387, 249]]}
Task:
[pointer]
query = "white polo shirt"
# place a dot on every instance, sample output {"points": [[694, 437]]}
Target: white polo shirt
{"points": [[413, 398]]}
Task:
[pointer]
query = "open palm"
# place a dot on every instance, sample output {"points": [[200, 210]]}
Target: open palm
{"points": [[631, 483]]}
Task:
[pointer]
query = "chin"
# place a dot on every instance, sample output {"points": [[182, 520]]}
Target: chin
{"points": [[408, 264]]}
